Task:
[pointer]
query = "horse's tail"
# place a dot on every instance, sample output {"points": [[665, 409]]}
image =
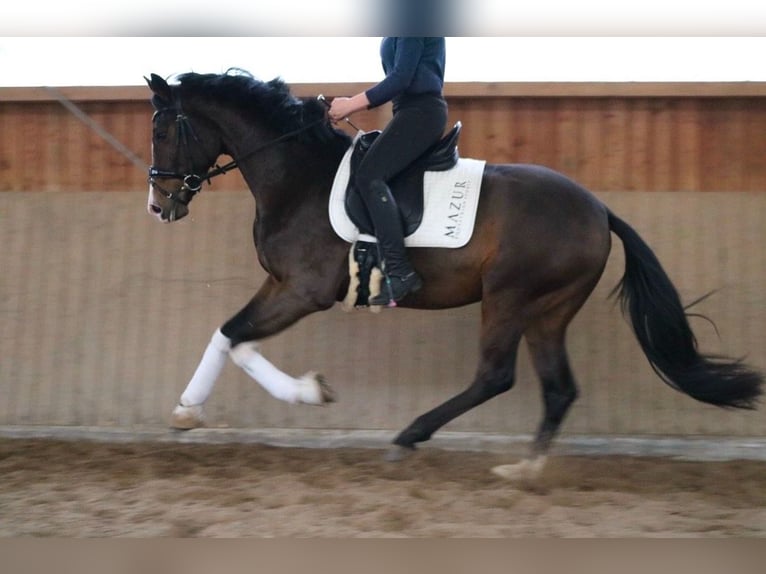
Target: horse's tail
{"points": [[662, 328]]}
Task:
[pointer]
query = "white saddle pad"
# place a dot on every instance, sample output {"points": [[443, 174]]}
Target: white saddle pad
{"points": [[449, 207]]}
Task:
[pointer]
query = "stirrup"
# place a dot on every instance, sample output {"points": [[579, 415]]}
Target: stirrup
{"points": [[396, 288]]}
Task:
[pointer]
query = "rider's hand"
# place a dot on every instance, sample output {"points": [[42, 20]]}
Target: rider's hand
{"points": [[342, 107]]}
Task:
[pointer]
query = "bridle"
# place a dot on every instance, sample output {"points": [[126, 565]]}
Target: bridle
{"points": [[192, 182]]}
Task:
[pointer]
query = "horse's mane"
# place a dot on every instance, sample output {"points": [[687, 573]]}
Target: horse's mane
{"points": [[269, 102]]}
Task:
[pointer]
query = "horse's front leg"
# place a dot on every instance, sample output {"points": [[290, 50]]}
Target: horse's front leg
{"points": [[274, 308]]}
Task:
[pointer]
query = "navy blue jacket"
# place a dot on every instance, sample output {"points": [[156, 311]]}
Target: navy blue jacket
{"points": [[412, 66]]}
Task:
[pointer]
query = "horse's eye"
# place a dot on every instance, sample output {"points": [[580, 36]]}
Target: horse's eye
{"points": [[160, 136]]}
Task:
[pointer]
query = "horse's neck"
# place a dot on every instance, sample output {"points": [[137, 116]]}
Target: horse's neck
{"points": [[277, 172], [290, 177]]}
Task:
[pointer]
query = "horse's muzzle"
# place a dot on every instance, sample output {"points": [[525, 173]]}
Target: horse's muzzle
{"points": [[175, 213], [164, 209]]}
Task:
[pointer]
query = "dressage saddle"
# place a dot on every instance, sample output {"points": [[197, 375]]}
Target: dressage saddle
{"points": [[406, 187]]}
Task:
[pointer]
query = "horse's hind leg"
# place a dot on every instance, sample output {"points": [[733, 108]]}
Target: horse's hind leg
{"points": [[495, 375], [546, 342]]}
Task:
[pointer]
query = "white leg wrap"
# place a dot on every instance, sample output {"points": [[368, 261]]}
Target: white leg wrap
{"points": [[213, 360], [278, 384]]}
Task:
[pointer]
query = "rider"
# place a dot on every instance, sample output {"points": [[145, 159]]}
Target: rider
{"points": [[414, 80]]}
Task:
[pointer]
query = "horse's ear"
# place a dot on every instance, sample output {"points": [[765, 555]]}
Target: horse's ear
{"points": [[159, 86]]}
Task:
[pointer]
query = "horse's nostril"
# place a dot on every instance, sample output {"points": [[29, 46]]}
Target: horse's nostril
{"points": [[156, 209]]}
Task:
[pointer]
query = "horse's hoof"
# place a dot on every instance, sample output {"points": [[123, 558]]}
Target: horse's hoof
{"points": [[328, 394], [525, 471], [187, 418], [397, 453], [316, 390]]}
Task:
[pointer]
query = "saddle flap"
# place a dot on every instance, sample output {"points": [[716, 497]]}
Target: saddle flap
{"points": [[450, 201]]}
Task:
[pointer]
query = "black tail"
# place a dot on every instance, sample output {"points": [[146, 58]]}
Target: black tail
{"points": [[661, 325]]}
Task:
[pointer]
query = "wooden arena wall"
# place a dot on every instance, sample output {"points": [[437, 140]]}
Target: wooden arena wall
{"points": [[104, 313], [609, 137]]}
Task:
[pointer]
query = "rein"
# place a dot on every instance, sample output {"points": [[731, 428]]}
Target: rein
{"points": [[192, 182]]}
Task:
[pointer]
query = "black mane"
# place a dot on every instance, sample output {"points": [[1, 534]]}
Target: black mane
{"points": [[269, 102]]}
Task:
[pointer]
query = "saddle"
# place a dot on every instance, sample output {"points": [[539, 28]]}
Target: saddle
{"points": [[406, 187]]}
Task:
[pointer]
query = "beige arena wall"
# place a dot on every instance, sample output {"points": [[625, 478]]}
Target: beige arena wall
{"points": [[105, 313]]}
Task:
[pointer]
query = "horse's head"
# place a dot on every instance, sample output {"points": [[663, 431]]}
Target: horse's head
{"points": [[182, 154]]}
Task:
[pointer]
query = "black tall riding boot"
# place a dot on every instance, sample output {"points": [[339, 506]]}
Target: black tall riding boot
{"points": [[399, 276]]}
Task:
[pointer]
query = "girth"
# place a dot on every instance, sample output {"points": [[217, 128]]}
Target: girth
{"points": [[407, 187]]}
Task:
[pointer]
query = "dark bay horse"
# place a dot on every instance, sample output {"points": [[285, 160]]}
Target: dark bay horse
{"points": [[539, 248]]}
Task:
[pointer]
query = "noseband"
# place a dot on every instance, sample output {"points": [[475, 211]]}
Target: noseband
{"points": [[192, 182]]}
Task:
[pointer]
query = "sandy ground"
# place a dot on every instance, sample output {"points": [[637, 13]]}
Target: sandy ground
{"points": [[92, 489]]}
